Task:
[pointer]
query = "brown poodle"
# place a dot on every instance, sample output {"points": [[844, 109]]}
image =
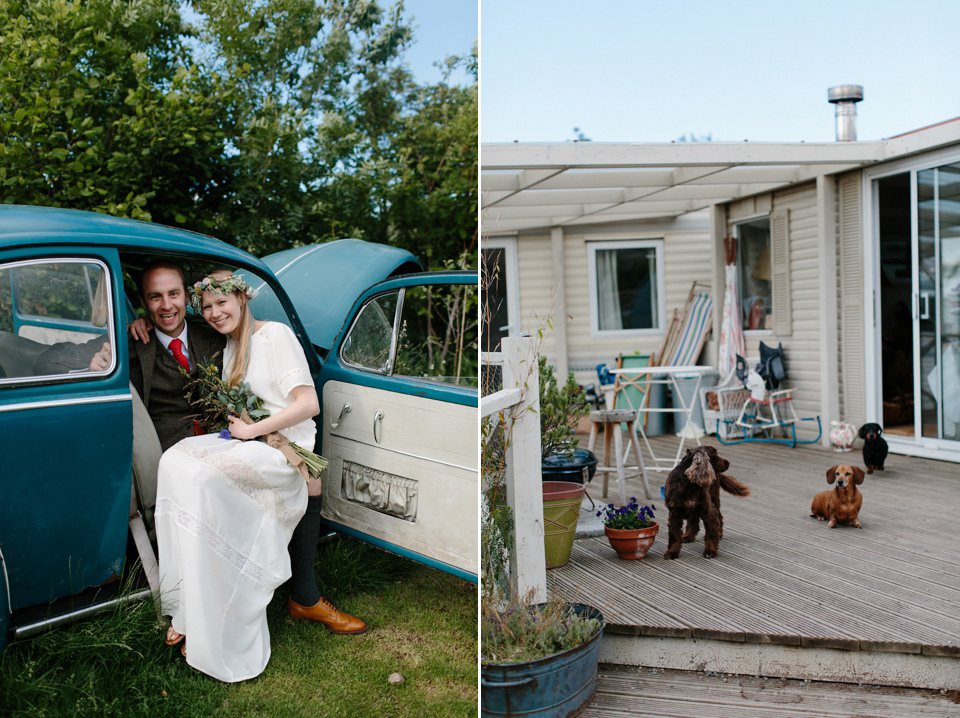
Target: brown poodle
{"points": [[692, 493]]}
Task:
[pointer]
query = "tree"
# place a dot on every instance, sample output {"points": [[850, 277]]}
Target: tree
{"points": [[267, 123], [293, 66], [100, 110], [407, 167]]}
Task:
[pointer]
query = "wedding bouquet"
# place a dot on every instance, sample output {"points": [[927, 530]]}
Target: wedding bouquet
{"points": [[215, 401]]}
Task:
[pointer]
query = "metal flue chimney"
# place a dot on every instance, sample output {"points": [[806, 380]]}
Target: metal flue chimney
{"points": [[846, 97]]}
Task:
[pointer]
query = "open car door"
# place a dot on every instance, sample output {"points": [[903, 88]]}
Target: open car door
{"points": [[399, 394], [398, 387]]}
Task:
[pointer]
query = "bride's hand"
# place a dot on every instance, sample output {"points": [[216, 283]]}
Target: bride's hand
{"points": [[140, 329], [239, 429]]}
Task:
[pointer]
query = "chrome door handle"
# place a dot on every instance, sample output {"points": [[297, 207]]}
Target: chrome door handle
{"points": [[344, 410], [378, 419]]}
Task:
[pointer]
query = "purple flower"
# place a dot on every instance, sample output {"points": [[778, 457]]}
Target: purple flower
{"points": [[225, 434]]}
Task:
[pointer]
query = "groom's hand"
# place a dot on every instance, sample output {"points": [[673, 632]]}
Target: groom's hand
{"points": [[140, 328]]}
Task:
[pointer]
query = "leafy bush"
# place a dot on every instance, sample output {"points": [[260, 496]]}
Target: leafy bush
{"points": [[560, 410]]}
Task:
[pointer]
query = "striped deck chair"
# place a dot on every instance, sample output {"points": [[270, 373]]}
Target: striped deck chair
{"points": [[686, 334], [688, 330], [694, 328]]}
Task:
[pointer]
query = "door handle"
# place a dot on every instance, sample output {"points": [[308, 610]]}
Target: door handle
{"points": [[378, 419], [345, 409]]}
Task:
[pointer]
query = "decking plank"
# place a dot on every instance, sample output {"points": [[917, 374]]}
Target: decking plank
{"points": [[657, 693], [895, 583]]}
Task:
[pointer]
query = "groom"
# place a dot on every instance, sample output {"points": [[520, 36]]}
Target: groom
{"points": [[155, 363]]}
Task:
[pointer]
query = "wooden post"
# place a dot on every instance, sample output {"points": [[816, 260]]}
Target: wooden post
{"points": [[528, 565]]}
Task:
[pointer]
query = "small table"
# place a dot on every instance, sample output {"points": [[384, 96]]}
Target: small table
{"points": [[642, 377]]}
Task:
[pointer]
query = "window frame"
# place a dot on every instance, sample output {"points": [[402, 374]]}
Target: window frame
{"points": [[765, 331], [69, 327], [593, 246], [508, 246]]}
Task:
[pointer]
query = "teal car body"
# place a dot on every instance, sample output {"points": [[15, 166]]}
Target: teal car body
{"points": [[67, 280]]}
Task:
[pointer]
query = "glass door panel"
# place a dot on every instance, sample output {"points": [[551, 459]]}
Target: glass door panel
{"points": [[938, 301], [895, 214]]}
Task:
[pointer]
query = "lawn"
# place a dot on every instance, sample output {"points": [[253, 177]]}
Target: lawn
{"points": [[423, 626]]}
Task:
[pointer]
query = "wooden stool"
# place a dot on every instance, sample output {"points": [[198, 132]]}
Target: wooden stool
{"points": [[611, 419]]}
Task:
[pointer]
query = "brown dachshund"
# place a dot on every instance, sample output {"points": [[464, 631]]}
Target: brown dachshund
{"points": [[843, 502]]}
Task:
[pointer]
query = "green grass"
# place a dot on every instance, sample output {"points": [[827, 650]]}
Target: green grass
{"points": [[423, 625]]}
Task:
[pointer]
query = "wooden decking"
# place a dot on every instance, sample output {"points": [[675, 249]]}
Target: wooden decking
{"points": [[784, 578], [656, 693]]}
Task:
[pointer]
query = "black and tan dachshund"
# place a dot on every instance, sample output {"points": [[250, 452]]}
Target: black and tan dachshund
{"points": [[874, 447]]}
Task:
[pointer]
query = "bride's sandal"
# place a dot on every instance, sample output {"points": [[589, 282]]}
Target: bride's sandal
{"points": [[173, 638], [183, 649]]}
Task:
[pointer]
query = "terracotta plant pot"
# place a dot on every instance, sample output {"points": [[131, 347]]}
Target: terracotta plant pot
{"points": [[632, 543]]}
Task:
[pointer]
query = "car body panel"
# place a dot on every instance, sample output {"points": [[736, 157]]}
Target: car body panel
{"points": [[394, 476], [324, 280], [62, 445], [66, 464]]}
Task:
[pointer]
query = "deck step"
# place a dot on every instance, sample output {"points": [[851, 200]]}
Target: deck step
{"points": [[656, 693]]}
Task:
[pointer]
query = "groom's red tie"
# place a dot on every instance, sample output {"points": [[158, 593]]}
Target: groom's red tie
{"points": [[176, 346]]}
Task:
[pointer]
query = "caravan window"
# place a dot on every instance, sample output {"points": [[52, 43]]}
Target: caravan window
{"points": [[756, 288], [626, 287]]}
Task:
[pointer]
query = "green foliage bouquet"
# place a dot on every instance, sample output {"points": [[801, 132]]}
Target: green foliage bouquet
{"points": [[216, 401]]}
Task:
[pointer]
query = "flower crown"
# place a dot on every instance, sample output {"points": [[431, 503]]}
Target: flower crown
{"points": [[231, 284]]}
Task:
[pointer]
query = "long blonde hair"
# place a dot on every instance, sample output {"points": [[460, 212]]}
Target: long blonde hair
{"points": [[244, 331]]}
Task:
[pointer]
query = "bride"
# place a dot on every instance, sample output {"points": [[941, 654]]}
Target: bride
{"points": [[226, 508]]}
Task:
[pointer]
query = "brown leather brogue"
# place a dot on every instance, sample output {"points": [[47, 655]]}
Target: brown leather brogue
{"points": [[324, 612]]}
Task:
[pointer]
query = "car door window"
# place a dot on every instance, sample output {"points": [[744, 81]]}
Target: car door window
{"points": [[438, 334], [54, 318], [370, 342]]}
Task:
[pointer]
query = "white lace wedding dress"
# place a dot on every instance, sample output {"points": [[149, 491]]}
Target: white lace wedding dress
{"points": [[225, 512]]}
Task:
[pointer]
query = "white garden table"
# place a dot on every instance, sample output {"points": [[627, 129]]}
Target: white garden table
{"points": [[642, 378]]}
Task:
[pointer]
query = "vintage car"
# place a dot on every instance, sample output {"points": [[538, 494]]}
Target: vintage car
{"points": [[393, 352]]}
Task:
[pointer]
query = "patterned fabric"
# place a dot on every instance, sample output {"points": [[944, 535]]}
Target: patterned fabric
{"points": [[731, 329]]}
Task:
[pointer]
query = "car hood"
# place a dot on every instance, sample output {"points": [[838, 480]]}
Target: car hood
{"points": [[324, 280]]}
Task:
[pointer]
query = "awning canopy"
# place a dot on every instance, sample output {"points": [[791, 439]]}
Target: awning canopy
{"points": [[534, 186]]}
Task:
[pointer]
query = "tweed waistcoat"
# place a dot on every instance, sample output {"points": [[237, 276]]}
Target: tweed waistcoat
{"points": [[156, 375], [168, 406]]}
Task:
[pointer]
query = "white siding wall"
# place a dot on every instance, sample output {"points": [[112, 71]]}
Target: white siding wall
{"points": [[803, 346], [537, 290], [687, 257]]}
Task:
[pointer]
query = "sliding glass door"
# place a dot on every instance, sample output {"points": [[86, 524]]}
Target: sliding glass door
{"points": [[919, 286], [938, 301]]}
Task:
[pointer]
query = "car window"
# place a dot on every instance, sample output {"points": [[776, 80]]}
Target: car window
{"points": [[55, 318], [437, 339], [370, 341]]}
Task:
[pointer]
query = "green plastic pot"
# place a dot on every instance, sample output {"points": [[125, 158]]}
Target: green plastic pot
{"points": [[561, 510]]}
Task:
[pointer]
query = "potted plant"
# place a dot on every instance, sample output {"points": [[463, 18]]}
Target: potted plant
{"points": [[538, 660], [564, 468], [630, 529], [561, 409]]}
